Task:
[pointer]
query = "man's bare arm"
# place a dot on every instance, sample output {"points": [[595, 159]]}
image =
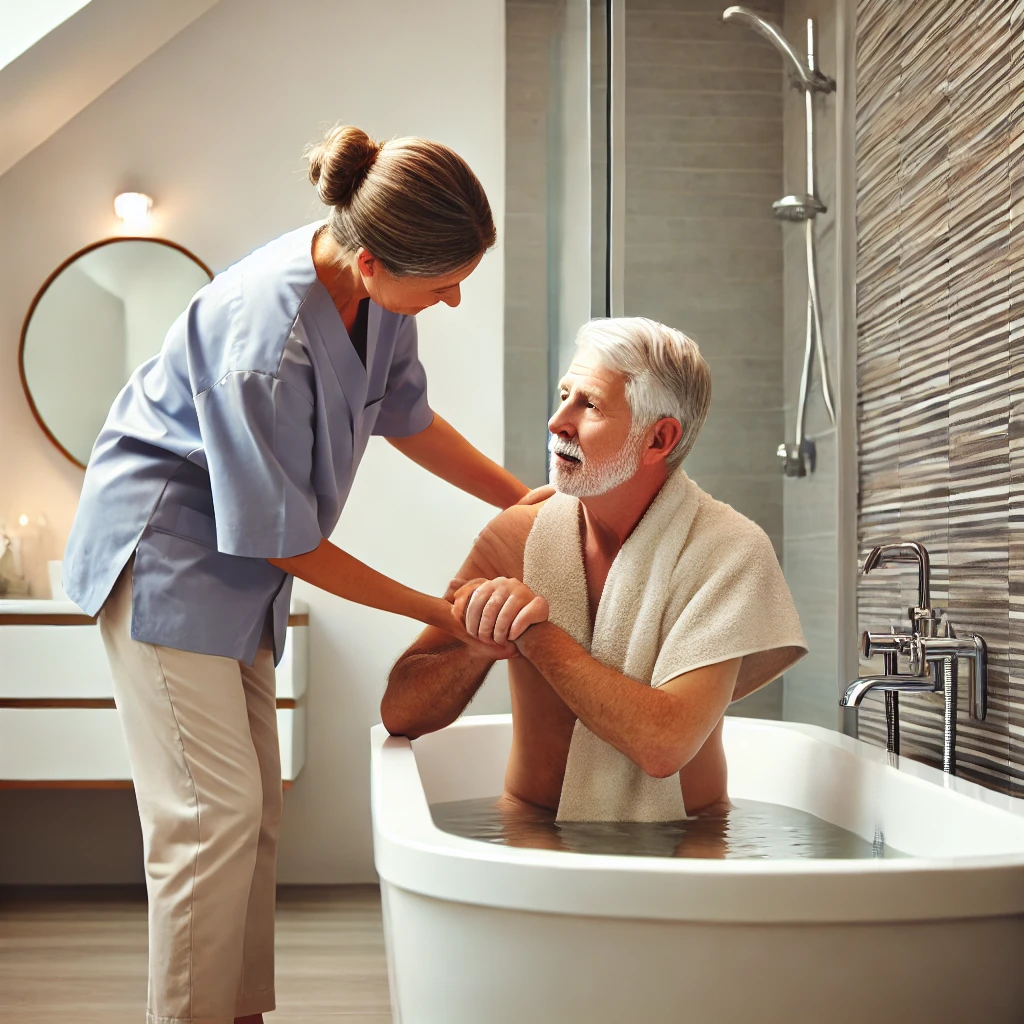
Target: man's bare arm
{"points": [[436, 678], [431, 684], [660, 728]]}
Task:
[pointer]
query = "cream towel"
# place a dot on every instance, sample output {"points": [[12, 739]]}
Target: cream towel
{"points": [[695, 583]]}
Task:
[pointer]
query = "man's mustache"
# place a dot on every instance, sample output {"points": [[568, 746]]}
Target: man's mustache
{"points": [[558, 446]]}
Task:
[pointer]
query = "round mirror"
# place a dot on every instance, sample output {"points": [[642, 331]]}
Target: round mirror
{"points": [[98, 316]]}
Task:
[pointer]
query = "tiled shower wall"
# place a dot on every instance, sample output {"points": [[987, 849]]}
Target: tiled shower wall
{"points": [[940, 284], [703, 252]]}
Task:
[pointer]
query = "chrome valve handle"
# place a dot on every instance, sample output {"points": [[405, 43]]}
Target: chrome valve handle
{"points": [[933, 650]]}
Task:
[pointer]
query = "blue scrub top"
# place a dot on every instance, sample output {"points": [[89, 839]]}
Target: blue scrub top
{"points": [[237, 443]]}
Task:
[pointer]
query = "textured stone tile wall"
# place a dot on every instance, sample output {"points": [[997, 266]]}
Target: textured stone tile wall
{"points": [[940, 266]]}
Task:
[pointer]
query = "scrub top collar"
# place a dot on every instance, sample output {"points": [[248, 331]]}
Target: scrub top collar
{"points": [[348, 367]]}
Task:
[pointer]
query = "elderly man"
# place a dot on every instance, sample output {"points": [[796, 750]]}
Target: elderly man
{"points": [[631, 605]]}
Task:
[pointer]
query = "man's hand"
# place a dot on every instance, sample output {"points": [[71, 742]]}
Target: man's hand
{"points": [[498, 611], [478, 647]]}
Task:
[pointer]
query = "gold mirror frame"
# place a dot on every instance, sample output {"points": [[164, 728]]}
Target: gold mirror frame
{"points": [[42, 291]]}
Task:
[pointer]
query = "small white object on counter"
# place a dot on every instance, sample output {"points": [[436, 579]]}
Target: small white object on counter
{"points": [[56, 574]]}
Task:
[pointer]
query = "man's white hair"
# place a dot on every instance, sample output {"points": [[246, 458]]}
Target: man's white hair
{"points": [[665, 373]]}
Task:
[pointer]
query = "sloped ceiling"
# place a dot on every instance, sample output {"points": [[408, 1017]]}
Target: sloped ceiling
{"points": [[67, 67]]}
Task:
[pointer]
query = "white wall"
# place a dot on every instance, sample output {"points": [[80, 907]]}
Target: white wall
{"points": [[213, 126], [21, 25]]}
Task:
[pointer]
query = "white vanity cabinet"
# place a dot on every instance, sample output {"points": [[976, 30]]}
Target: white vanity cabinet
{"points": [[58, 722]]}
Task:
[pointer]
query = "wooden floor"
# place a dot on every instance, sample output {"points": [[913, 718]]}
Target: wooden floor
{"points": [[80, 956]]}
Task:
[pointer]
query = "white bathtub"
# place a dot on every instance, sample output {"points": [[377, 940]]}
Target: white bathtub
{"points": [[483, 934]]}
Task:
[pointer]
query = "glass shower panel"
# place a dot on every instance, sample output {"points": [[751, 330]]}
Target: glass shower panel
{"points": [[570, 204], [551, 212], [600, 299]]}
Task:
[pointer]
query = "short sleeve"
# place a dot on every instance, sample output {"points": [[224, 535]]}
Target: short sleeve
{"points": [[404, 410], [257, 434]]}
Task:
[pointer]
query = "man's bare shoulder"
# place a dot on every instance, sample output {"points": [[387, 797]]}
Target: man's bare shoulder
{"points": [[513, 525], [499, 549]]}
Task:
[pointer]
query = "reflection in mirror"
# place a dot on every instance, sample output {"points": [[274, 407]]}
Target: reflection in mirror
{"points": [[100, 315]]}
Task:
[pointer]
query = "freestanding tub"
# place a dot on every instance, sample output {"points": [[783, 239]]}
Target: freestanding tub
{"points": [[485, 934]]}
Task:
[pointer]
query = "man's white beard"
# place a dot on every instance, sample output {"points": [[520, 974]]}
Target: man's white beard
{"points": [[587, 479]]}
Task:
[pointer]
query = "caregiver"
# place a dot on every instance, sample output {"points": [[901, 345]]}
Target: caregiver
{"points": [[221, 470]]}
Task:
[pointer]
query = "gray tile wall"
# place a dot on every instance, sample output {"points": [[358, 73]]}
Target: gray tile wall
{"points": [[810, 522], [703, 165], [704, 137]]}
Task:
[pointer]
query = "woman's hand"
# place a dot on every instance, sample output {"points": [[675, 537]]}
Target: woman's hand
{"points": [[498, 611], [537, 495], [337, 572], [455, 585]]}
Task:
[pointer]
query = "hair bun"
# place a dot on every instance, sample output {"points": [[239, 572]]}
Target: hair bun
{"points": [[339, 164]]}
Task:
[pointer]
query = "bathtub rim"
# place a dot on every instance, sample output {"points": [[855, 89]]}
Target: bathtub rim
{"points": [[412, 853]]}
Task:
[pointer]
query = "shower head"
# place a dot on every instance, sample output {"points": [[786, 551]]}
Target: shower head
{"points": [[803, 207], [799, 72]]}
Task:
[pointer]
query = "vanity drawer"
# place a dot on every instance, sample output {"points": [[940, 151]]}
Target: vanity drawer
{"points": [[41, 661], [53, 661], [82, 745]]}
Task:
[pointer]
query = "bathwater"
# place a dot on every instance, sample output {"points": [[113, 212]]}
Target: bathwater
{"points": [[748, 830]]}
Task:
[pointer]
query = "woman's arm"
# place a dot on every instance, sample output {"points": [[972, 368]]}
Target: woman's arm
{"points": [[443, 451], [336, 571]]}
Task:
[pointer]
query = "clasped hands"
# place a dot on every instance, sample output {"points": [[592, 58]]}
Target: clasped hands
{"points": [[496, 613]]}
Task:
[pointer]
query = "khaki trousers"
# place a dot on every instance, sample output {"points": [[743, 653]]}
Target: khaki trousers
{"points": [[201, 733]]}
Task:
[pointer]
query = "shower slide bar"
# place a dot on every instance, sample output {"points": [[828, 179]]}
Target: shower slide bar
{"points": [[798, 458]]}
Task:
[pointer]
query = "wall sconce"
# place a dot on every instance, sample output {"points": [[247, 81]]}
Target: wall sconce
{"points": [[133, 209]]}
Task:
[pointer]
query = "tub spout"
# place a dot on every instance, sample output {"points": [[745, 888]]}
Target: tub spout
{"points": [[859, 688]]}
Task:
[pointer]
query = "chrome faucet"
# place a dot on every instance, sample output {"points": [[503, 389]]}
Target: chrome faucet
{"points": [[933, 651]]}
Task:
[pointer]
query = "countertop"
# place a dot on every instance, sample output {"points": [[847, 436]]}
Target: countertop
{"points": [[39, 611]]}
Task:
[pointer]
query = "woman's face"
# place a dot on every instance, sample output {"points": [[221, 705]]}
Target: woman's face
{"points": [[411, 295]]}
